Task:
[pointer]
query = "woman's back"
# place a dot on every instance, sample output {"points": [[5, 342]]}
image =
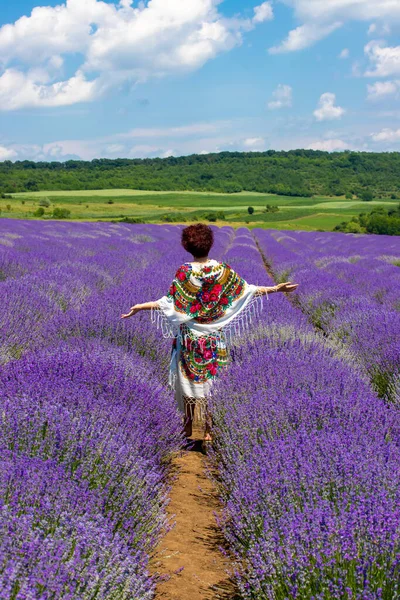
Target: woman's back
{"points": [[205, 291]]}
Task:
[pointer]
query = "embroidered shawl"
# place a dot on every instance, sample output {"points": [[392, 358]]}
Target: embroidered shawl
{"points": [[203, 310]]}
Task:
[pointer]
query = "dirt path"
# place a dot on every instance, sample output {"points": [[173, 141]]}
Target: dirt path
{"points": [[195, 540]]}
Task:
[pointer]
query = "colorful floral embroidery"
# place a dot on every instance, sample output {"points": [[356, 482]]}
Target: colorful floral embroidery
{"points": [[201, 358], [206, 294]]}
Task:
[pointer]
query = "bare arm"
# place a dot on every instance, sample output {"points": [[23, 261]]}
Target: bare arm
{"points": [[280, 287], [138, 307]]}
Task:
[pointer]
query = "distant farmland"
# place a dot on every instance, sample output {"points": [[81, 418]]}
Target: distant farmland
{"points": [[283, 212]]}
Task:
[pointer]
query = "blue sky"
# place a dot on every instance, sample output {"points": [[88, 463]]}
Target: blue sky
{"points": [[88, 78]]}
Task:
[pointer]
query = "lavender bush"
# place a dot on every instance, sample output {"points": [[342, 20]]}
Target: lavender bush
{"points": [[350, 288]]}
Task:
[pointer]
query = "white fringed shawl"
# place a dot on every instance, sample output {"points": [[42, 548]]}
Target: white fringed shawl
{"points": [[236, 304]]}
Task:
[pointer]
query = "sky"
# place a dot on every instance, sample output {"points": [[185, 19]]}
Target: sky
{"points": [[88, 79]]}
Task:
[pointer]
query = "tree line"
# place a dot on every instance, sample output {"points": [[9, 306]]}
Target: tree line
{"points": [[306, 173], [379, 221]]}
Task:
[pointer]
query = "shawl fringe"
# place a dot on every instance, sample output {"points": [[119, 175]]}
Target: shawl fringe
{"points": [[225, 335], [189, 338], [161, 322]]}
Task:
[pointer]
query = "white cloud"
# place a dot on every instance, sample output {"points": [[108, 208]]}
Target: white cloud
{"points": [[383, 89], [115, 149], [304, 36], [168, 153], [140, 143], [382, 29], [115, 42], [387, 135], [7, 153], [345, 53], [83, 149], [360, 10], [327, 110], [256, 143], [145, 151], [318, 18], [385, 60], [19, 90], [283, 97], [329, 145], [263, 12]]}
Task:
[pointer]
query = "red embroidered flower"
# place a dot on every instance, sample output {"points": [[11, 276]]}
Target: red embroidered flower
{"points": [[207, 269], [172, 289], [192, 375], [181, 276], [213, 369], [213, 297], [207, 354], [217, 288], [195, 308], [206, 297], [239, 289], [224, 300]]}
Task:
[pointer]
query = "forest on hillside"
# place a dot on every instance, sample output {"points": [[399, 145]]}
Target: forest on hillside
{"points": [[294, 173]]}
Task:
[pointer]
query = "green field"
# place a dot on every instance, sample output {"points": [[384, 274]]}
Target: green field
{"points": [[154, 207]]}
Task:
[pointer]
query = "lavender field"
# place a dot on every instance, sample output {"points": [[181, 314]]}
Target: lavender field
{"points": [[306, 421]]}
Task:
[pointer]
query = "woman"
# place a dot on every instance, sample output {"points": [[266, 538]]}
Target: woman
{"points": [[207, 303]]}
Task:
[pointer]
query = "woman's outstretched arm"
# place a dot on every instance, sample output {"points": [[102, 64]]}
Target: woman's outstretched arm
{"points": [[138, 307], [280, 287]]}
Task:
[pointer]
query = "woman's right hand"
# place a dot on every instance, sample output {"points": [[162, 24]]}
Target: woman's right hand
{"points": [[133, 311]]}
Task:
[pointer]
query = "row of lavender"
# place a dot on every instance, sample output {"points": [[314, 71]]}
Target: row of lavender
{"points": [[308, 460], [87, 424], [350, 288]]}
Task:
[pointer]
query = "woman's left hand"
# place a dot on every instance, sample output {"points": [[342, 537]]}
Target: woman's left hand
{"points": [[133, 311], [287, 287]]}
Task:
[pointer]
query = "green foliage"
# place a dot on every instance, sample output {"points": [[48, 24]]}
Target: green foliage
{"points": [[39, 212], [379, 221], [44, 202], [270, 208], [131, 220], [214, 216], [250, 210], [173, 218], [366, 195], [298, 173], [61, 213]]}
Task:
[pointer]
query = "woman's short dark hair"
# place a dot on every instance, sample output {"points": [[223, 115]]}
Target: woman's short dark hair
{"points": [[198, 239]]}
